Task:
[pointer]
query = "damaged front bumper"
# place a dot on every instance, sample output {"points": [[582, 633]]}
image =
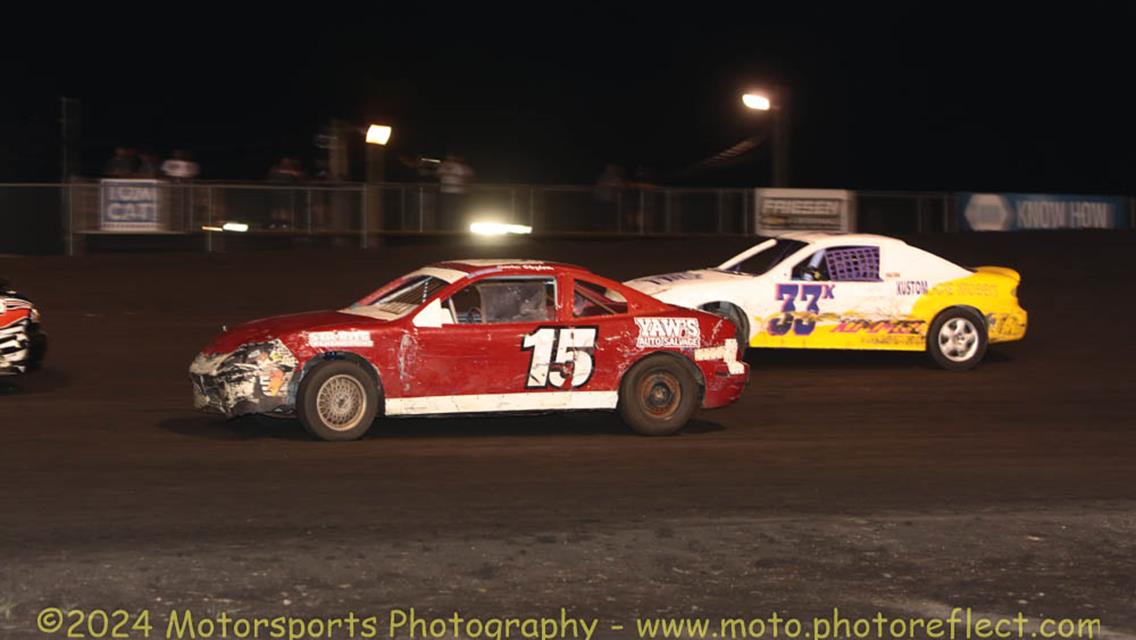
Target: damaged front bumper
{"points": [[254, 378]]}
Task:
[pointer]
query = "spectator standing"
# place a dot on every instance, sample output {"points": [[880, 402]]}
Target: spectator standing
{"points": [[285, 172], [608, 191], [454, 175], [147, 165], [124, 164], [180, 167]]}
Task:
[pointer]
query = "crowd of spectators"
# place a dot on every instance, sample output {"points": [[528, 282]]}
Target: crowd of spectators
{"points": [[128, 162]]}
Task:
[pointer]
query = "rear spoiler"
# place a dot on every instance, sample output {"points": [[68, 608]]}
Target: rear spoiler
{"points": [[1001, 271]]}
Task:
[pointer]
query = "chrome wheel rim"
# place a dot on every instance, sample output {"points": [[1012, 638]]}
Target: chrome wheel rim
{"points": [[341, 402], [958, 340]]}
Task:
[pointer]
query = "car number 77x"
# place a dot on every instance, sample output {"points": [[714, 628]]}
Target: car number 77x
{"points": [[573, 348]]}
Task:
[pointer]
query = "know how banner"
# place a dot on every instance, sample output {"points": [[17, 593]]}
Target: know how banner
{"points": [[1024, 211]]}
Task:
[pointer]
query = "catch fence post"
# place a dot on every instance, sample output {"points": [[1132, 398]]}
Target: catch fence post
{"points": [[363, 220], [209, 218]]}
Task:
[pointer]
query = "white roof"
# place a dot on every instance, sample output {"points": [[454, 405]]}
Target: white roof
{"points": [[811, 237]]}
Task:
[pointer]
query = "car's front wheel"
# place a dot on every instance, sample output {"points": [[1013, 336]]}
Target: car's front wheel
{"points": [[658, 395], [337, 400], [957, 339]]}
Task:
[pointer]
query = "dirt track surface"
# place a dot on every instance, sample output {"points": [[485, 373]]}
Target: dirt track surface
{"points": [[865, 481]]}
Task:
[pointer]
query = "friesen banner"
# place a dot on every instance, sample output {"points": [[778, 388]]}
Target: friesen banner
{"points": [[780, 210], [1027, 211], [130, 206]]}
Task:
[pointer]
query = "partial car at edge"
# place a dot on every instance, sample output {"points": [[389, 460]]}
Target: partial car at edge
{"points": [[23, 343]]}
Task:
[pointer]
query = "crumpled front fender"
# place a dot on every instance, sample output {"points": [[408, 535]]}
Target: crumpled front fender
{"points": [[253, 378]]}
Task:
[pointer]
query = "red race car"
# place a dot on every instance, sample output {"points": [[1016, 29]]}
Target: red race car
{"points": [[477, 336]]}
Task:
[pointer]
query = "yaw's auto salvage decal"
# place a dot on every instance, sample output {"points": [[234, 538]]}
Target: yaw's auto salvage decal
{"points": [[668, 332]]}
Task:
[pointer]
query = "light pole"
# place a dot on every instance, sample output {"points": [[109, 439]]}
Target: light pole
{"points": [[378, 135], [775, 105]]}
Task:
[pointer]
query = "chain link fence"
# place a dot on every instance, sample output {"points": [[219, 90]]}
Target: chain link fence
{"points": [[92, 215]]}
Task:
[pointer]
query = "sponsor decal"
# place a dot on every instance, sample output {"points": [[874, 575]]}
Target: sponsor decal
{"points": [[274, 367], [352, 338], [962, 288], [521, 266], [904, 327], [911, 287], [1006, 325], [789, 295], [668, 332], [672, 277]]}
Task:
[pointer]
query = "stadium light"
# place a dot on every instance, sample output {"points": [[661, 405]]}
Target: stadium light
{"points": [[757, 102], [378, 134], [498, 229]]}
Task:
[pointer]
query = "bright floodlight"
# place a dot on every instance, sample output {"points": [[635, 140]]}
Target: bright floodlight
{"points": [[756, 101], [239, 227], [498, 228], [378, 134]]}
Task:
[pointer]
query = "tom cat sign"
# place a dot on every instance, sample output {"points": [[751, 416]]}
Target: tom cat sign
{"points": [[1022, 211], [130, 206]]}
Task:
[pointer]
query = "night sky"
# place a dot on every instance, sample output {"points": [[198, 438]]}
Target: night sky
{"points": [[969, 98]]}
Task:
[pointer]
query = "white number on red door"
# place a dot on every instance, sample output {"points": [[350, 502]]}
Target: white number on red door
{"points": [[572, 346]]}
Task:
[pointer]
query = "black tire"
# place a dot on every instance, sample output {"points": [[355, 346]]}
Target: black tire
{"points": [[957, 339], [344, 385], [658, 395]]}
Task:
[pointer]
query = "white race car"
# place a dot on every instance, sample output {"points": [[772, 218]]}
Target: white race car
{"points": [[853, 291]]}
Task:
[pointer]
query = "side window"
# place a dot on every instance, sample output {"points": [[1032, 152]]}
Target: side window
{"points": [[465, 305], [812, 268], [590, 300], [499, 300], [841, 264]]}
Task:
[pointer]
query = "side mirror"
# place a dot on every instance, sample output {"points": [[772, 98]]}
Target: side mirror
{"points": [[433, 315]]}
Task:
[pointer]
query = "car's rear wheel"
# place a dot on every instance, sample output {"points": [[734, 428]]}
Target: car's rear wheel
{"points": [[658, 396], [337, 400], [957, 339]]}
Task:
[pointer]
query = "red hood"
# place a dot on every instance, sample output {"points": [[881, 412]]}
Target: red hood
{"points": [[266, 329]]}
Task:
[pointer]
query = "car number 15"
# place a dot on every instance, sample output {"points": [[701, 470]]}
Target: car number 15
{"points": [[573, 348]]}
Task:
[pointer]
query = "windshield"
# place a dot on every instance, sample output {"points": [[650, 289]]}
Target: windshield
{"points": [[761, 258], [411, 293], [399, 297]]}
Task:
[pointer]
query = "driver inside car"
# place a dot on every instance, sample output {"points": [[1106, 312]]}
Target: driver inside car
{"points": [[812, 270]]}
